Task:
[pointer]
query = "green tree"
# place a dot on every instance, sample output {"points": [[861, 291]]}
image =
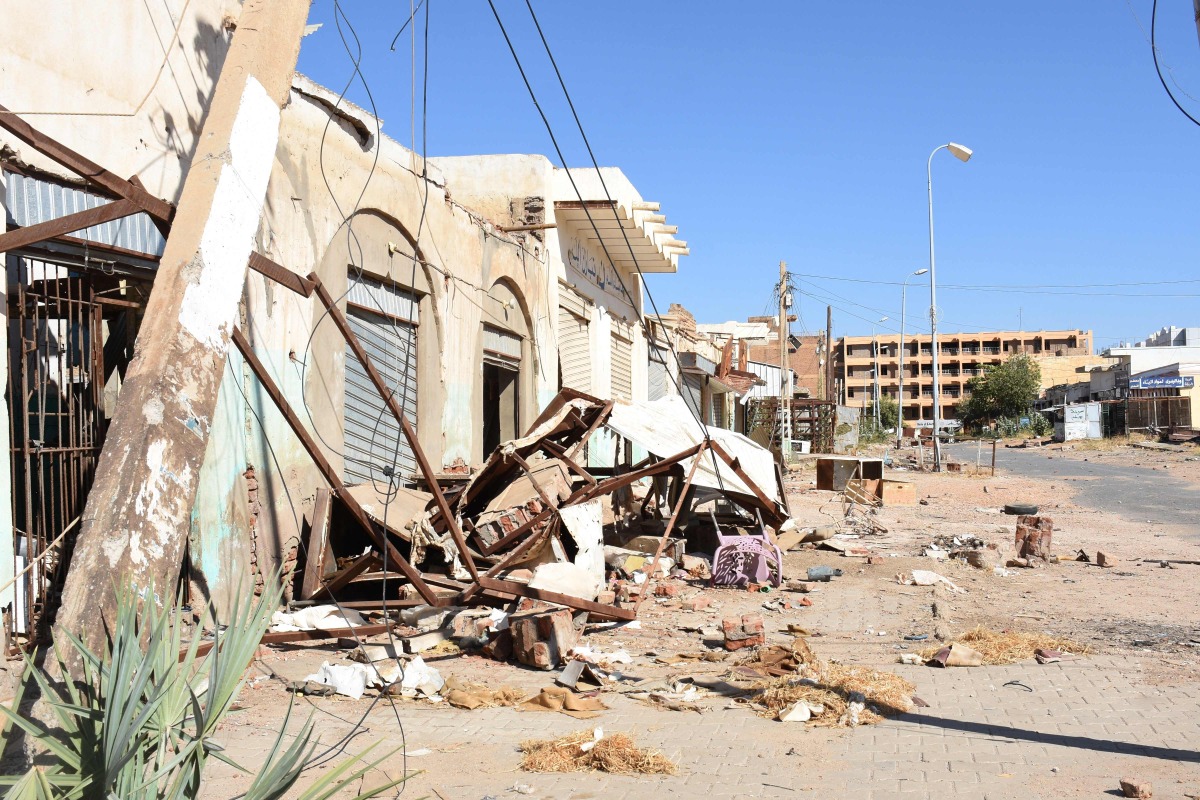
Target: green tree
{"points": [[889, 412], [1003, 390]]}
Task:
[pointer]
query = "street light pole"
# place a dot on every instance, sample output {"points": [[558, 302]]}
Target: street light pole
{"points": [[962, 154], [900, 392]]}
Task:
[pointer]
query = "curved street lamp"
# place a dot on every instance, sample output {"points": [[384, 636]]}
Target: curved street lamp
{"points": [[900, 391], [962, 153]]}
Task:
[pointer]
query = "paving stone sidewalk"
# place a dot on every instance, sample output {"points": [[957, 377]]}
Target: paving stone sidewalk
{"points": [[1067, 730]]}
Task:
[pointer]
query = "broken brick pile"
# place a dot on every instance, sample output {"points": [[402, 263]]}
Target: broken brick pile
{"points": [[746, 631]]}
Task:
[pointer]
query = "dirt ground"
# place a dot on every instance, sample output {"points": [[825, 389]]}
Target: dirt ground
{"points": [[861, 617]]}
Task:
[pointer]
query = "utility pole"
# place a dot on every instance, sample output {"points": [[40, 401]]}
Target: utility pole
{"points": [[138, 515], [875, 376], [829, 391], [784, 387]]}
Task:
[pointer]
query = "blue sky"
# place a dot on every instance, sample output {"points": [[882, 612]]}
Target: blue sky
{"points": [[800, 131]]}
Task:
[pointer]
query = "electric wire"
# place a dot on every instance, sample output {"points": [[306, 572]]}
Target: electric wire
{"points": [[1158, 68], [599, 173]]}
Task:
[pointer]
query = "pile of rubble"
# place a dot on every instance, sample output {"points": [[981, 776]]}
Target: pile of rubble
{"points": [[540, 523]]}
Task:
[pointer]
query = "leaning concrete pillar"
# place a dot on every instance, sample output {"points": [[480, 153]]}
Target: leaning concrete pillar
{"points": [[136, 521]]}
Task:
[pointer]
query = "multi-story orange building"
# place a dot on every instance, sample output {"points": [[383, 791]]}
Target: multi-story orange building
{"points": [[962, 356]]}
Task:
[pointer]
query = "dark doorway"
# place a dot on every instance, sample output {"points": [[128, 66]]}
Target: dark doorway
{"points": [[500, 405]]}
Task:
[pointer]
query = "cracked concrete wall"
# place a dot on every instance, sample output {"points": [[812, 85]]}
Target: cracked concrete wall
{"points": [[459, 257], [130, 82]]}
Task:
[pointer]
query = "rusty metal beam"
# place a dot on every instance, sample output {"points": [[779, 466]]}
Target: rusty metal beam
{"points": [[666, 534], [88, 170], [621, 481], [578, 603], [601, 418], [443, 507], [282, 275], [52, 229], [327, 471], [768, 505]]}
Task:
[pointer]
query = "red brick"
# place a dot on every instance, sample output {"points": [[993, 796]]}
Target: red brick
{"points": [[803, 601], [666, 589], [607, 598], [698, 603]]}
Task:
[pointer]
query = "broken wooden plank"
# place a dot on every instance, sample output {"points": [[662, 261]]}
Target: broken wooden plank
{"points": [[318, 542]]}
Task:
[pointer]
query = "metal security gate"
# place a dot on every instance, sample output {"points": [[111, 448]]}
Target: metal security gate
{"points": [[385, 321], [71, 334]]}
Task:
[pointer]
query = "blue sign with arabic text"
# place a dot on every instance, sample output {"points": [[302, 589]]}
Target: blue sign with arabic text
{"points": [[1163, 382]]}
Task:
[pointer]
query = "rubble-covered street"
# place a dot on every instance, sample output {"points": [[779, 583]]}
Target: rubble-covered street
{"points": [[1126, 706]]}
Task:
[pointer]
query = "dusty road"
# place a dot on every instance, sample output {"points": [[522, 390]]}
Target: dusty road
{"points": [[1072, 729], [1139, 486]]}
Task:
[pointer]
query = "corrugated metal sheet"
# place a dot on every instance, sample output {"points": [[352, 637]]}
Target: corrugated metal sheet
{"points": [[383, 299], [33, 200], [658, 378], [693, 390], [768, 373], [574, 351], [501, 342], [373, 437], [622, 368]]}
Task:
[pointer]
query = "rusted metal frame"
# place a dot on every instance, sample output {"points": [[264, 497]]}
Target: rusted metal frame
{"points": [[601, 418], [768, 504], [93, 173], [379, 536], [537, 487], [612, 484], [577, 603], [340, 321], [787, 505], [282, 275], [50, 229], [666, 534], [318, 539], [283, 637], [560, 452]]}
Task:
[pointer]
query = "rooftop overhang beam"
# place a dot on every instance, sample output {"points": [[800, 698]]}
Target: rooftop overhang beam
{"points": [[621, 231]]}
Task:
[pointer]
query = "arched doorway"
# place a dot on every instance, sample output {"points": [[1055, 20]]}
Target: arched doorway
{"points": [[506, 351]]}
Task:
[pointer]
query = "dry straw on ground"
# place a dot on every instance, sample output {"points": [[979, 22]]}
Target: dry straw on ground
{"points": [[616, 753], [1009, 647], [832, 686]]}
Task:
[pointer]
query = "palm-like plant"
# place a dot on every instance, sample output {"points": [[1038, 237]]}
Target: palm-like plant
{"points": [[139, 722]]}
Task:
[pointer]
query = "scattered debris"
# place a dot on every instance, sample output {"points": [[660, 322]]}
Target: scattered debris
{"points": [[1105, 560], [924, 577], [564, 701], [957, 655], [823, 574], [464, 694], [1033, 537], [1131, 788], [592, 750], [746, 631], [316, 618]]}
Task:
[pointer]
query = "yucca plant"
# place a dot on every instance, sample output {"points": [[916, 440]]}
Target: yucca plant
{"points": [[139, 721]]}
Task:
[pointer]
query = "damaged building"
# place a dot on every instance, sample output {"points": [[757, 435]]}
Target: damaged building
{"points": [[399, 323]]}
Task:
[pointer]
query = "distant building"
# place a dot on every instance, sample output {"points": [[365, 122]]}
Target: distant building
{"points": [[1163, 366], [962, 356], [757, 340]]}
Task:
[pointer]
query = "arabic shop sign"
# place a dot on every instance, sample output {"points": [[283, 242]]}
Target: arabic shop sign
{"points": [[595, 270], [1163, 382]]}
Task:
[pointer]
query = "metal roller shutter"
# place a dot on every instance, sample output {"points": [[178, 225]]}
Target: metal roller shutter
{"points": [[373, 439], [658, 380], [692, 392], [574, 351], [717, 417], [622, 368]]}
